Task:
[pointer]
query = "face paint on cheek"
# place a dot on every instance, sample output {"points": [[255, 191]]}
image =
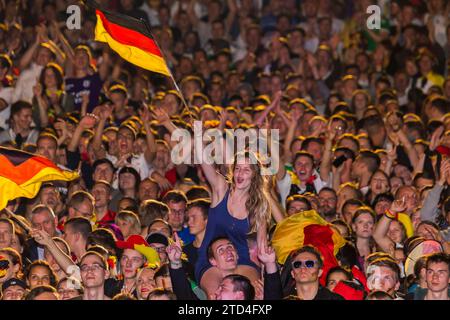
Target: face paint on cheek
{"points": [[4, 266]]}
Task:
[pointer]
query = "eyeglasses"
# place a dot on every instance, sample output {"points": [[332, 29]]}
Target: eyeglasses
{"points": [[309, 264], [93, 267]]}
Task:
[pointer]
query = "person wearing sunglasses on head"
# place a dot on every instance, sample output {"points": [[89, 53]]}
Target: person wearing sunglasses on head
{"points": [[307, 266]]}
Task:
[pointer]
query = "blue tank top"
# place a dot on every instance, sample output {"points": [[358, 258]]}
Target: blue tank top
{"points": [[222, 223]]}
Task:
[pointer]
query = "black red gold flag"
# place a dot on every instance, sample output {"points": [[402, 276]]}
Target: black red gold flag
{"points": [[130, 38], [22, 173]]}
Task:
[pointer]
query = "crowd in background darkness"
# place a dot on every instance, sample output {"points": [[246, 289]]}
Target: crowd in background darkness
{"points": [[364, 147]]}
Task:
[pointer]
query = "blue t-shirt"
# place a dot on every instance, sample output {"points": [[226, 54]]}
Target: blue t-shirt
{"points": [[221, 223], [186, 236], [77, 86]]}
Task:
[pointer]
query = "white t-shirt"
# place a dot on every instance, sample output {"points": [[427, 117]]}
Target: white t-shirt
{"points": [[9, 135], [26, 82], [138, 162], [284, 186]]}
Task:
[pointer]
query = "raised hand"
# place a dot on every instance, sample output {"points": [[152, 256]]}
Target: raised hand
{"points": [[266, 254], [436, 138], [174, 250], [276, 101], [145, 115], [330, 134], [39, 33], [398, 205], [295, 114], [127, 290], [88, 121], [104, 112], [37, 90], [160, 115], [61, 127], [393, 136], [223, 117], [41, 236], [123, 160], [42, 32]]}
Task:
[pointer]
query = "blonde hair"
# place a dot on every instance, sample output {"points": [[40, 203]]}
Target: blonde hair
{"points": [[257, 204], [132, 218]]}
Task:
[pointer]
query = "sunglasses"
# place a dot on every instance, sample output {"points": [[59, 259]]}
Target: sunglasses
{"points": [[308, 264]]}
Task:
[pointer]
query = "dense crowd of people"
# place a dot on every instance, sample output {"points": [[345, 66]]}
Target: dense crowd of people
{"points": [[363, 152]]}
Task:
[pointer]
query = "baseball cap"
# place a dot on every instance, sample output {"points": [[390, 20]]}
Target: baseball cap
{"points": [[13, 282], [157, 238]]}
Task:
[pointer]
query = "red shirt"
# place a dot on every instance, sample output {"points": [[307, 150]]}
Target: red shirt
{"points": [[170, 175], [109, 217]]}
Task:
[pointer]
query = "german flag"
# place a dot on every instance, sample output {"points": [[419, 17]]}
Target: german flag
{"points": [[22, 173], [130, 38], [307, 228]]}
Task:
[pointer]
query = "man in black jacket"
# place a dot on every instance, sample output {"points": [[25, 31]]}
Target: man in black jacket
{"points": [[307, 266], [43, 218]]}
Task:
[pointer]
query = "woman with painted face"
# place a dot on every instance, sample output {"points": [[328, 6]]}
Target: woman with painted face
{"points": [[238, 207]]}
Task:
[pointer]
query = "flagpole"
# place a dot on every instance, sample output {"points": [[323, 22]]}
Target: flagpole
{"points": [[13, 216], [170, 71]]}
